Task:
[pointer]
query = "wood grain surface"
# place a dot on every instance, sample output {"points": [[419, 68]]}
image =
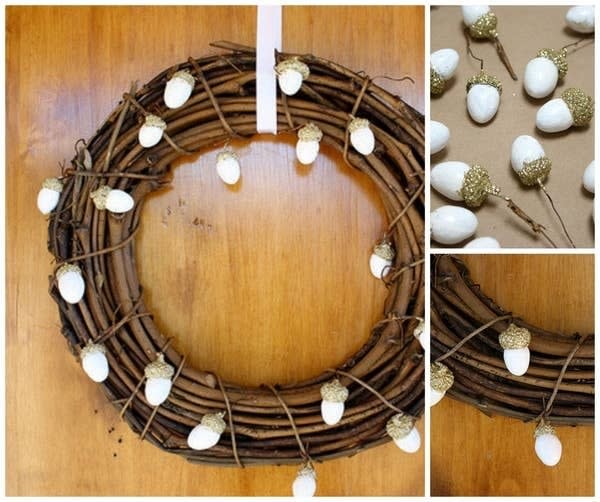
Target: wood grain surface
{"points": [[476, 455], [266, 282]]}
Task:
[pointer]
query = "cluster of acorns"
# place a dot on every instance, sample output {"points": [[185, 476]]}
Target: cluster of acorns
{"points": [[471, 184]]}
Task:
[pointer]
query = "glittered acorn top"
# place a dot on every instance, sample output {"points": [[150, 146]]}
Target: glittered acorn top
{"points": [[293, 64], [310, 132], [334, 392], [155, 121], [514, 337], [441, 377], [543, 428], [184, 75], [535, 171], [485, 26], [399, 426], [580, 105], [214, 421], [437, 84], [476, 186], [159, 368], [53, 184], [385, 250], [558, 57], [484, 78]]}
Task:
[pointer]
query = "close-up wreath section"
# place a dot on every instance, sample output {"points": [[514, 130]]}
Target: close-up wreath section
{"points": [[94, 210]]}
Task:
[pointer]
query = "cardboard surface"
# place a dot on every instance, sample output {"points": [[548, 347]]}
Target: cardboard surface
{"points": [[522, 31]]}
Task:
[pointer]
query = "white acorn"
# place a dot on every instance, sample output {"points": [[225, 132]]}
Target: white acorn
{"points": [[515, 342], [151, 131], [439, 135], [440, 380], [483, 97], [71, 285], [581, 18], [361, 136], [333, 395], [158, 380], [548, 447], [305, 484], [448, 178], [528, 159], [401, 428], [543, 72], [452, 224], [443, 64], [573, 108], [421, 334], [382, 259], [112, 199], [178, 89], [94, 362], [290, 75], [483, 243], [208, 432], [471, 13], [49, 195], [307, 147], [228, 166], [589, 178]]}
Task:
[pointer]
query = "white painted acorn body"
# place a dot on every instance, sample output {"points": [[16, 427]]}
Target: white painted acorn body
{"points": [[228, 167], [305, 484], [548, 447], [452, 224], [307, 147], [483, 243], [158, 381], [71, 285], [589, 178], [178, 89], [361, 136], [444, 62], [112, 199], [151, 131], [332, 412], [471, 13], [421, 334], [541, 77], [441, 379], [207, 433], [554, 116], [435, 397], [517, 360], [581, 18], [401, 428], [411, 442], [439, 135], [49, 195], [290, 75], [525, 149], [448, 177], [333, 395], [482, 102], [381, 259], [94, 362]]}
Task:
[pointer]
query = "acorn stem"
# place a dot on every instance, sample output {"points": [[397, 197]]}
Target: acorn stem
{"points": [[469, 50], [562, 223], [504, 57]]}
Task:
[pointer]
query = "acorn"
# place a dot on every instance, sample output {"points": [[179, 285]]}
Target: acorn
{"points": [[441, 379], [382, 259], [443, 64], [581, 18], [290, 75], [548, 447], [151, 131], [543, 72], [334, 395], [49, 195], [114, 200], [71, 285], [483, 97], [421, 334], [589, 178], [361, 136], [439, 135], [228, 166], [305, 484], [515, 342], [483, 243], [208, 432], [307, 147], [94, 362], [452, 224], [179, 89], [158, 380], [461, 182], [401, 428], [529, 160], [573, 108]]}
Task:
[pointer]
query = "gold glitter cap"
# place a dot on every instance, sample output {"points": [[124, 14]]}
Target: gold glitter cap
{"points": [[226, 154], [485, 26], [334, 392], [514, 337], [99, 196], [310, 132], [399, 426], [159, 368], [580, 105], [558, 57], [437, 84], [357, 124], [185, 76], [293, 64], [69, 267], [214, 422], [307, 470], [385, 250], [476, 186], [543, 428], [484, 78], [536, 171], [53, 184], [441, 377], [155, 121], [92, 348]]}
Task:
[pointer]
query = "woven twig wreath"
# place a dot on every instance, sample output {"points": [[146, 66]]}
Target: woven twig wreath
{"points": [[558, 386], [271, 424]]}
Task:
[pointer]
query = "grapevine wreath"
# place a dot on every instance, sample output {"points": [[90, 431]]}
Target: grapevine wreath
{"points": [[95, 208]]}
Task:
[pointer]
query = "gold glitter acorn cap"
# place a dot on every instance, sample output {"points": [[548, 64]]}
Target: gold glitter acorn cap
{"points": [[53, 184], [307, 470], [226, 154], [214, 422], [293, 64], [184, 75], [357, 124], [485, 26], [535, 172], [580, 105], [399, 426], [543, 428], [334, 392], [310, 132], [155, 121], [69, 267], [514, 337], [437, 84], [558, 57], [476, 186], [484, 78], [99, 196], [159, 368], [385, 250], [92, 348], [441, 377]]}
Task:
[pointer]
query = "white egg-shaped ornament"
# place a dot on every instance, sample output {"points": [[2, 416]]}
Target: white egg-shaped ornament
{"points": [[361, 136], [452, 224], [381, 259], [208, 432], [71, 285], [178, 89], [290, 75], [333, 397], [158, 380], [112, 199], [151, 131], [574, 108], [94, 361], [307, 147], [459, 181], [401, 428], [515, 342], [421, 334], [49, 195], [543, 72], [439, 135], [483, 97], [483, 243], [589, 177], [473, 13], [548, 447], [529, 161], [305, 484], [580, 18], [440, 380], [228, 167], [443, 64]]}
